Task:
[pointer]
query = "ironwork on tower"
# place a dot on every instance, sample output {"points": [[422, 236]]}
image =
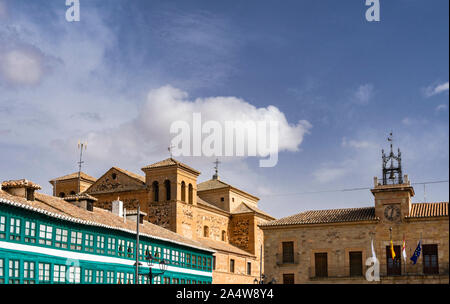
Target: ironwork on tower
{"points": [[392, 174]]}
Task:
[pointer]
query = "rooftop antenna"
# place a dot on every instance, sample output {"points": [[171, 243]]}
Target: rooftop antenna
{"points": [[81, 146], [216, 168]]}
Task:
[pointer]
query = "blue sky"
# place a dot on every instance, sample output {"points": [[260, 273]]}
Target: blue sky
{"points": [[315, 61]]}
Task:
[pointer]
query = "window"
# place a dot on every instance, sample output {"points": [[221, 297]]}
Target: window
{"points": [[191, 194], [76, 240], [214, 262], [166, 254], [2, 227], [14, 272], [249, 268], [61, 237], [175, 257], [288, 252], [208, 264], [183, 191], [182, 258], [110, 277], [89, 242], [224, 235], [222, 199], [130, 249], [30, 232], [120, 278], [143, 279], [175, 281], [157, 280], [206, 231], [194, 261], [45, 234], [321, 264], [111, 246], [157, 252], [430, 259], [114, 176], [130, 278], [44, 273], [166, 280], [88, 276], [99, 276], [14, 229], [144, 251], [167, 188], [355, 261], [121, 247], [59, 274], [28, 273], [288, 278], [100, 244], [2, 271], [232, 266], [204, 263], [188, 259], [394, 266], [74, 275], [62, 194], [155, 187]]}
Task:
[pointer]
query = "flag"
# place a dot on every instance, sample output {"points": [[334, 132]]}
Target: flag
{"points": [[417, 252], [373, 251], [404, 249], [392, 250]]}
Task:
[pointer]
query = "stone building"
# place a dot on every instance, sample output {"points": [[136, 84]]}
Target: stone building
{"points": [[331, 246], [214, 213]]}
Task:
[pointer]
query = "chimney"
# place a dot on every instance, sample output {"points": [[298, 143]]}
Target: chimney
{"points": [[117, 207], [21, 188], [84, 201], [132, 215]]}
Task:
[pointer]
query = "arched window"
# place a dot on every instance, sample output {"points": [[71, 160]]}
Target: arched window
{"points": [[224, 235], [206, 231], [183, 191], [191, 194], [167, 188], [155, 187], [62, 194]]}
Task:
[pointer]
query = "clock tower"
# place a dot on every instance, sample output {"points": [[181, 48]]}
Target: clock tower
{"points": [[394, 191]]}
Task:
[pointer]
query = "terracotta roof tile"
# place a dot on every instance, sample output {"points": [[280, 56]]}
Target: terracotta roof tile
{"points": [[218, 184], [74, 175], [169, 162], [58, 208], [20, 183], [82, 196], [224, 246], [245, 208], [420, 210], [131, 174], [326, 216]]}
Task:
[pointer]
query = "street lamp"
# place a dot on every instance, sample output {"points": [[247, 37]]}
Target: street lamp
{"points": [[162, 266], [256, 281]]}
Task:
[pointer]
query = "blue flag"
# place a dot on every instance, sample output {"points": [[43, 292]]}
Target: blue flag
{"points": [[416, 253]]}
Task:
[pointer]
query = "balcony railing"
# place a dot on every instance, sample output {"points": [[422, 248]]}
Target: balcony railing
{"points": [[352, 272], [283, 261]]}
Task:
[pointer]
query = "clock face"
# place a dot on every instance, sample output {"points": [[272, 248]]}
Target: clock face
{"points": [[392, 213]]}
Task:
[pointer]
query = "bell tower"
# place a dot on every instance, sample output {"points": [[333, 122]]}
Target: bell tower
{"points": [[393, 193]]}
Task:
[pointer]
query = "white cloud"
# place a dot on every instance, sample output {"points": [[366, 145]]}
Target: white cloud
{"points": [[358, 144], [436, 89], [325, 175], [363, 94], [148, 134], [21, 67], [441, 107]]}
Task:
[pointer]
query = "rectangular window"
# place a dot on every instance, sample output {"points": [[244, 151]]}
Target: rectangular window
{"points": [[214, 262], [144, 251], [157, 252], [288, 252], [166, 254], [188, 259], [194, 261], [45, 234], [120, 278], [121, 247], [88, 276], [28, 273], [175, 281], [208, 264], [30, 232], [110, 277], [74, 275], [175, 257], [182, 258], [99, 276], [166, 280], [14, 229], [157, 280], [61, 238], [100, 244], [111, 246], [249, 268], [14, 272], [130, 249], [205, 263], [355, 261], [2, 271], [288, 278], [430, 259], [321, 264], [130, 278], [394, 266], [59, 274], [44, 273], [2, 227], [89, 242], [76, 239], [232, 266]]}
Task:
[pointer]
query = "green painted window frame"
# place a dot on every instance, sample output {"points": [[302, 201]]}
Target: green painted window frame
{"points": [[59, 274], [100, 244], [111, 248], [89, 242], [61, 239], [76, 240], [2, 227], [30, 232], [46, 268], [29, 272], [44, 234], [14, 271], [15, 228]]}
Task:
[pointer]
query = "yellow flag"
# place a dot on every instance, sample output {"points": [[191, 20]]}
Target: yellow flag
{"points": [[392, 250]]}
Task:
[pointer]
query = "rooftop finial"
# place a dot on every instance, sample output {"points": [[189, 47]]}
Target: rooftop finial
{"points": [[392, 174], [216, 167]]}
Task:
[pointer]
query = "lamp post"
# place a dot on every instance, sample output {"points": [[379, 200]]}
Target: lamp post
{"points": [[162, 266]]}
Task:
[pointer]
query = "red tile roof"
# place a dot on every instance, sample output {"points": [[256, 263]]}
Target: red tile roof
{"points": [[419, 210], [168, 163], [74, 175], [20, 183]]}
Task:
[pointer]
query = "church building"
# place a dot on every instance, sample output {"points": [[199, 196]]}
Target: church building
{"points": [[214, 213]]}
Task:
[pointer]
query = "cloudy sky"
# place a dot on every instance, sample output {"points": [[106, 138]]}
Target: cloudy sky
{"points": [[336, 83]]}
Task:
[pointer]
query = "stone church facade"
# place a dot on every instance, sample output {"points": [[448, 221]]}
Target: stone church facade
{"points": [[217, 214]]}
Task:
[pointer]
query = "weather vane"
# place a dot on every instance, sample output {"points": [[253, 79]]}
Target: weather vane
{"points": [[216, 168], [170, 150]]}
